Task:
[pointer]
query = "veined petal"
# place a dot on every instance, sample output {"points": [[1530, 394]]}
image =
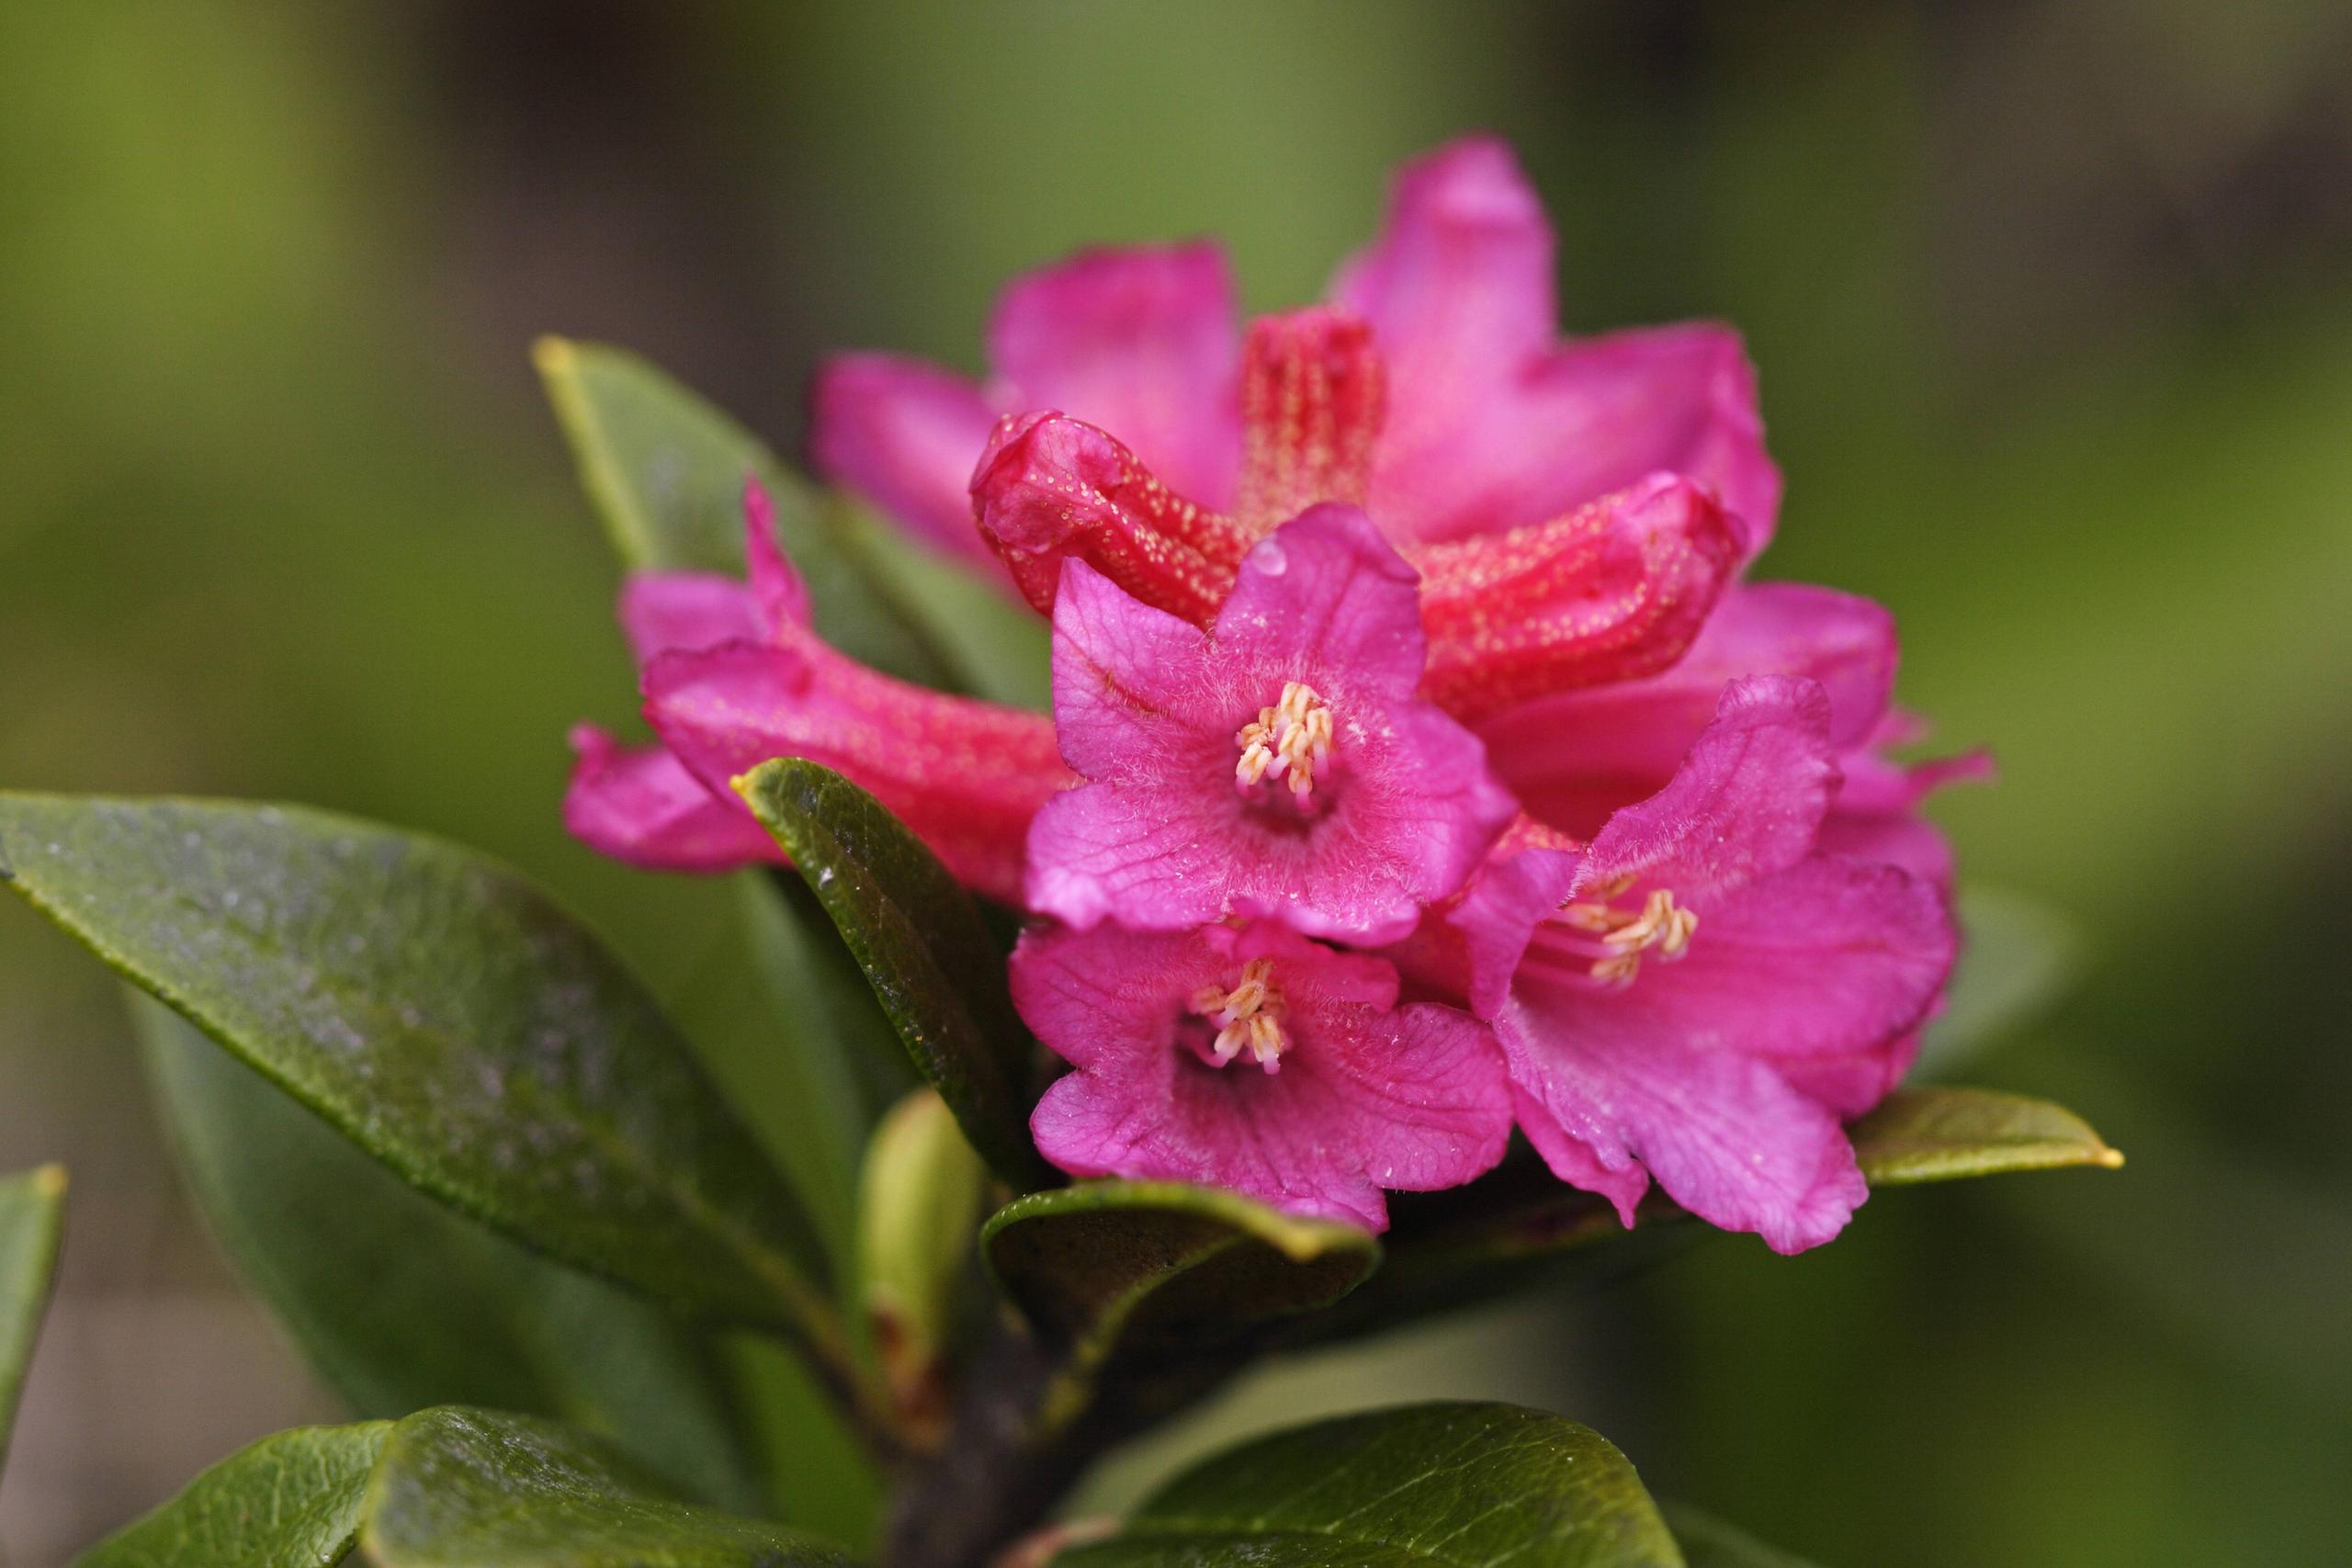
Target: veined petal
{"points": [[1141, 342], [1721, 1131], [643, 807], [1122, 671], [1325, 594], [1614, 592], [1314, 393], [1050, 489], [1746, 803], [903, 434]]}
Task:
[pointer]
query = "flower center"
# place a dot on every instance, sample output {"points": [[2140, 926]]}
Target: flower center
{"points": [[1248, 1016], [1660, 926], [1291, 740]]}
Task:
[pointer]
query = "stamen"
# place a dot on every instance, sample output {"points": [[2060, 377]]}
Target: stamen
{"points": [[1247, 1017], [1663, 928], [1290, 740]]}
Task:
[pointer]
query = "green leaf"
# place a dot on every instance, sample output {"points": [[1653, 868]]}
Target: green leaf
{"points": [[32, 1221], [290, 1500], [666, 472], [463, 1488], [399, 1303], [917, 1203], [445, 1017], [1000, 647], [1112, 1267], [1708, 1542], [1426, 1486], [2020, 956], [1934, 1134], [923, 946]]}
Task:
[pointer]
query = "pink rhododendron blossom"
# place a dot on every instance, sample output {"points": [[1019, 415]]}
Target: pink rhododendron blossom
{"points": [[1433, 391], [1576, 756], [1277, 764], [1700, 994], [734, 676], [1256, 1060]]}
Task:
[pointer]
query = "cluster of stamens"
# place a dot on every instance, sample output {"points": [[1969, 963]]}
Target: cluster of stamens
{"points": [[1249, 1016], [1661, 925], [1291, 740]]}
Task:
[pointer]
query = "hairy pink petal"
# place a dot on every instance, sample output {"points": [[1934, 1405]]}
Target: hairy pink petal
{"points": [[643, 807], [1140, 341], [903, 434], [1369, 1097], [1313, 394]]}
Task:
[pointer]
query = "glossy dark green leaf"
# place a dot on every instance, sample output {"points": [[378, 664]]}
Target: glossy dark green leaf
{"points": [[1112, 1267], [923, 946], [1708, 1542], [400, 1303], [290, 1500], [449, 1019], [1426, 1486], [32, 1220], [1934, 1133], [666, 470], [465, 1488]]}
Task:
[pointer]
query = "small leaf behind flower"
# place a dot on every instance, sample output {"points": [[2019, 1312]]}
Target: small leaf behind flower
{"points": [[32, 1218], [289, 1501], [923, 946], [1111, 1267], [1425, 1486], [1708, 1542], [445, 1017], [462, 1488], [1936, 1133]]}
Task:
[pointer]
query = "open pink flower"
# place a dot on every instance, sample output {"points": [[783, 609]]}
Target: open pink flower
{"points": [[1256, 1060], [1433, 391], [734, 676], [1702, 994], [1576, 756], [1278, 764]]}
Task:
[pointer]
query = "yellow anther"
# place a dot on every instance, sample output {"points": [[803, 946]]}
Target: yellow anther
{"points": [[1248, 1016], [1290, 740], [1662, 926]]}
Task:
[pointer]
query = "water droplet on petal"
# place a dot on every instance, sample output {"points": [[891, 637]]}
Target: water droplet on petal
{"points": [[1267, 558]]}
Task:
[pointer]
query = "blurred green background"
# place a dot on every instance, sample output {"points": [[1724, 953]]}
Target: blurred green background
{"points": [[2053, 307]]}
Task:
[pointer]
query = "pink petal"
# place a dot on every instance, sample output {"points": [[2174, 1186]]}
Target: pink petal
{"points": [[1141, 343], [904, 435], [1912, 843], [662, 610], [1577, 756], [776, 587], [1325, 594], [966, 777], [1588, 418], [1120, 670], [644, 807], [1745, 804], [1720, 1132], [1457, 286]]}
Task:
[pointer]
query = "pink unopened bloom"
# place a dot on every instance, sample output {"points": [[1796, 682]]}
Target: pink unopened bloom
{"points": [[1278, 764], [1256, 1060], [1699, 996], [1575, 757], [734, 676]]}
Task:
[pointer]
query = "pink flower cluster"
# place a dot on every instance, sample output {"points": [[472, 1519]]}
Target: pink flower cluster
{"points": [[1422, 764]]}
